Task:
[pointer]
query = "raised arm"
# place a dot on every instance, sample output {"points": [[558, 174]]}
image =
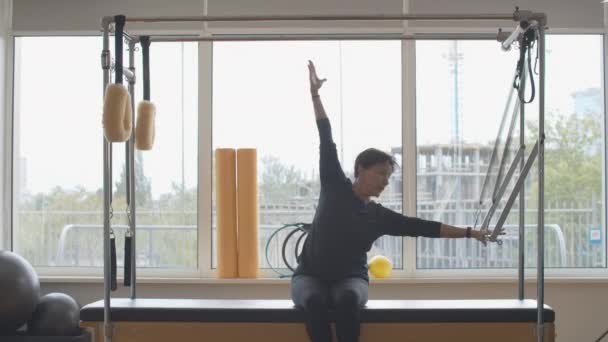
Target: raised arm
{"points": [[330, 169], [315, 85]]}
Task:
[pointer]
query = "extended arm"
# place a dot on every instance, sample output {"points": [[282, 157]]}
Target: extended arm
{"points": [[448, 231], [393, 223]]}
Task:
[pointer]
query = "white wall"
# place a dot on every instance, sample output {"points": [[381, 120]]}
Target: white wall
{"points": [[84, 15], [38, 15], [560, 13], [580, 306]]}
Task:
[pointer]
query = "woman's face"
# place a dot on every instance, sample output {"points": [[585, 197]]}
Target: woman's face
{"points": [[375, 178]]}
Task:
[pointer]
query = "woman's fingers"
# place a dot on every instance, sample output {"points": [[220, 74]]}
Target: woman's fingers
{"points": [[500, 232], [314, 79]]}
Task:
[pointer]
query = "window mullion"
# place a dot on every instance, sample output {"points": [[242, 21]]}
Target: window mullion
{"points": [[6, 145], [408, 136], [205, 145]]}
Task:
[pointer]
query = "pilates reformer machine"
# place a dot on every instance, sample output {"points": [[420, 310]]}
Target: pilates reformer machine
{"points": [[133, 319]]}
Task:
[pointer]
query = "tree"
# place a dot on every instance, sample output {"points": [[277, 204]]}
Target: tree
{"points": [[279, 183], [180, 198], [573, 156], [143, 186]]}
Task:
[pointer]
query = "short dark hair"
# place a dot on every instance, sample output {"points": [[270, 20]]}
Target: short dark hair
{"points": [[373, 156]]}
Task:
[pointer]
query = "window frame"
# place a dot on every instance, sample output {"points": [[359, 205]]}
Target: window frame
{"points": [[204, 272], [511, 273], [55, 273], [206, 116], [6, 155]]}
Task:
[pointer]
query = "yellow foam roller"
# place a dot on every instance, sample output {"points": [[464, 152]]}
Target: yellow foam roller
{"points": [[225, 203], [247, 208]]}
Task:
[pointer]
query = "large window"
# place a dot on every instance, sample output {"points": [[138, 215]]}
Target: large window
{"points": [[462, 90], [58, 169], [261, 99]]}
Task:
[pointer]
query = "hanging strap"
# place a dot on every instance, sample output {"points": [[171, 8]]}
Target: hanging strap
{"points": [[528, 40], [119, 21], [113, 283], [128, 246], [145, 53]]}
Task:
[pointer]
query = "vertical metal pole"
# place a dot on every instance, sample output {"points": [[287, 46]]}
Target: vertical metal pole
{"points": [[107, 192], [130, 162], [605, 107], [541, 185], [522, 199], [183, 124], [340, 92]]}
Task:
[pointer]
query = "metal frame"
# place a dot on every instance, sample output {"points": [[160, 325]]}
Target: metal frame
{"points": [[107, 146], [525, 165], [325, 37], [517, 16], [540, 267], [6, 127], [130, 170], [522, 200]]}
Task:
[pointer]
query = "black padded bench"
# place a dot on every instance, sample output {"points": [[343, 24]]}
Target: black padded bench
{"points": [[275, 320]]}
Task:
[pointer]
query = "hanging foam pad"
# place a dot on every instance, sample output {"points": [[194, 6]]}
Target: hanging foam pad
{"points": [[117, 121], [144, 128], [225, 206], [247, 204]]}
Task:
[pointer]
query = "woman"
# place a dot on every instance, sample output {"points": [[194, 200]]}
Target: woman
{"points": [[332, 269]]}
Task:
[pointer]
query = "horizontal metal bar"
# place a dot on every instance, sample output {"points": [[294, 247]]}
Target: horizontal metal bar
{"points": [[291, 37], [350, 17]]}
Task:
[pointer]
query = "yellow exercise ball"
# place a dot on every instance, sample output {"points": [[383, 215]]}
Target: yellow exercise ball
{"points": [[380, 266]]}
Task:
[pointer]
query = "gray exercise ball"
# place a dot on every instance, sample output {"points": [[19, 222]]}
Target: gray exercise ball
{"points": [[19, 291], [57, 314]]}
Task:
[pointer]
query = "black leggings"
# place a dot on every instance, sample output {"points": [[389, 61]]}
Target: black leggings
{"points": [[345, 297]]}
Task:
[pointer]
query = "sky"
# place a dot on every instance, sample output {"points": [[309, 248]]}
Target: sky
{"points": [[261, 99]]}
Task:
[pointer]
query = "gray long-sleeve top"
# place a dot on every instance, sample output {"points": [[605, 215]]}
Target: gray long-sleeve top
{"points": [[345, 227]]}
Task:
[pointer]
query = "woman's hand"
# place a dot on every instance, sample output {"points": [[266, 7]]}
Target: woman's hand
{"points": [[315, 82], [482, 235]]}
